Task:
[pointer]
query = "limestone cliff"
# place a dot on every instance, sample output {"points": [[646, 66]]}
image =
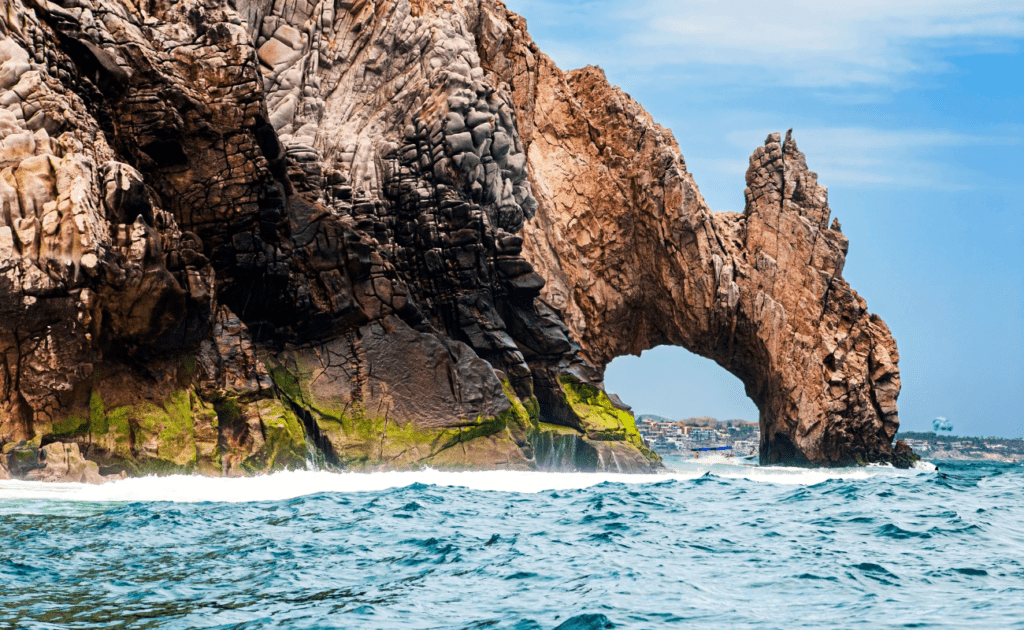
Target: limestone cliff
{"points": [[241, 236]]}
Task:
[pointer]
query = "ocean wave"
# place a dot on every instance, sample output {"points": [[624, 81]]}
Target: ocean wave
{"points": [[290, 484], [432, 550]]}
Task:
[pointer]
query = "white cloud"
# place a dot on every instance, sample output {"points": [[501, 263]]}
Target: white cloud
{"points": [[862, 157], [795, 42], [872, 139]]}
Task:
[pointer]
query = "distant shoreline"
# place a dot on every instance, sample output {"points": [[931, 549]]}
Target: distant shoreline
{"points": [[936, 446]]}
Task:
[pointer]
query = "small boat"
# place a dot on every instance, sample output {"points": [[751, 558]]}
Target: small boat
{"points": [[712, 452]]}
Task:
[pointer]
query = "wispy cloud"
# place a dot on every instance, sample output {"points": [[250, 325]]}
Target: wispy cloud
{"points": [[794, 42], [865, 157]]}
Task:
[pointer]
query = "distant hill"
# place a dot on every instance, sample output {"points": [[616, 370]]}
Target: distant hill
{"points": [[931, 436], [701, 421], [653, 418]]}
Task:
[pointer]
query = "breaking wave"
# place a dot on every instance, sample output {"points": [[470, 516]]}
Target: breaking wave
{"points": [[290, 484]]}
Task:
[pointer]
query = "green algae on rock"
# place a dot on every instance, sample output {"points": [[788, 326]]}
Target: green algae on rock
{"points": [[598, 417], [591, 434], [284, 438], [359, 424]]}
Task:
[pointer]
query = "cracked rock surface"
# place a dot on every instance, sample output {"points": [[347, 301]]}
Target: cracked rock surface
{"points": [[244, 236], [634, 258]]}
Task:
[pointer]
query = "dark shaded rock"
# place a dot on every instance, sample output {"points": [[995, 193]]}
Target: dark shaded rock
{"points": [[392, 370], [905, 456], [23, 459], [527, 286]]}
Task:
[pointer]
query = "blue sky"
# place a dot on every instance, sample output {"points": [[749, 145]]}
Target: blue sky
{"points": [[912, 113]]}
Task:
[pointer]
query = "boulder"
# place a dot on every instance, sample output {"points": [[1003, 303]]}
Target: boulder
{"points": [[56, 462]]}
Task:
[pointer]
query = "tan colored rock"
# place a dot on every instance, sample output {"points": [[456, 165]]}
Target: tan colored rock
{"points": [[276, 53], [64, 463]]}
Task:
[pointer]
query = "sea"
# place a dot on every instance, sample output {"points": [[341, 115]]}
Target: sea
{"points": [[701, 546]]}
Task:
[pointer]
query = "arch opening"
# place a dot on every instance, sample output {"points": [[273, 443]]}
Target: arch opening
{"points": [[672, 391]]}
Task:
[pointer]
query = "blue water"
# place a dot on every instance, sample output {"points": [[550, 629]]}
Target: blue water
{"points": [[738, 548]]}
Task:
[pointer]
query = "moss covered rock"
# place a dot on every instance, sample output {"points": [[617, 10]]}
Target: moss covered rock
{"points": [[284, 444], [601, 425], [111, 432], [164, 431], [320, 410], [74, 425], [374, 435], [177, 433], [601, 420]]}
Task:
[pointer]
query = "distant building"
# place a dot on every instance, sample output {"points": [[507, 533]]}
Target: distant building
{"points": [[703, 435], [920, 446], [669, 436]]}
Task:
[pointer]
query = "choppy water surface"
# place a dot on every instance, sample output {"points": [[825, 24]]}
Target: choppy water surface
{"points": [[739, 548]]}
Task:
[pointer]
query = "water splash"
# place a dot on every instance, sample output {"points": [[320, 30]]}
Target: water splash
{"points": [[291, 484]]}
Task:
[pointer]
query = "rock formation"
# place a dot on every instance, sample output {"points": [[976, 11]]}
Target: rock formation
{"points": [[634, 258], [241, 236]]}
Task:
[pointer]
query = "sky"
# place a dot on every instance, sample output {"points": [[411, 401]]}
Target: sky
{"points": [[912, 114]]}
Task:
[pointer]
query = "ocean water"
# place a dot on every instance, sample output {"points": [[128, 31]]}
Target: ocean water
{"points": [[722, 546]]}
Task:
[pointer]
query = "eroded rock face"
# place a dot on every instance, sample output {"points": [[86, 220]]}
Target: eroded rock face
{"points": [[634, 258], [236, 237]]}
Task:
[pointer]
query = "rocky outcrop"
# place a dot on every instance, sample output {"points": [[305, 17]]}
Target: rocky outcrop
{"points": [[56, 462], [236, 237], [636, 259]]}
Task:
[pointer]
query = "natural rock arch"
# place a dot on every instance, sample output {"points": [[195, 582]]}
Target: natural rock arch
{"points": [[634, 258]]}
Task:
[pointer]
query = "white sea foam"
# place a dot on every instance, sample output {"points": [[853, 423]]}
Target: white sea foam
{"points": [[287, 485]]}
